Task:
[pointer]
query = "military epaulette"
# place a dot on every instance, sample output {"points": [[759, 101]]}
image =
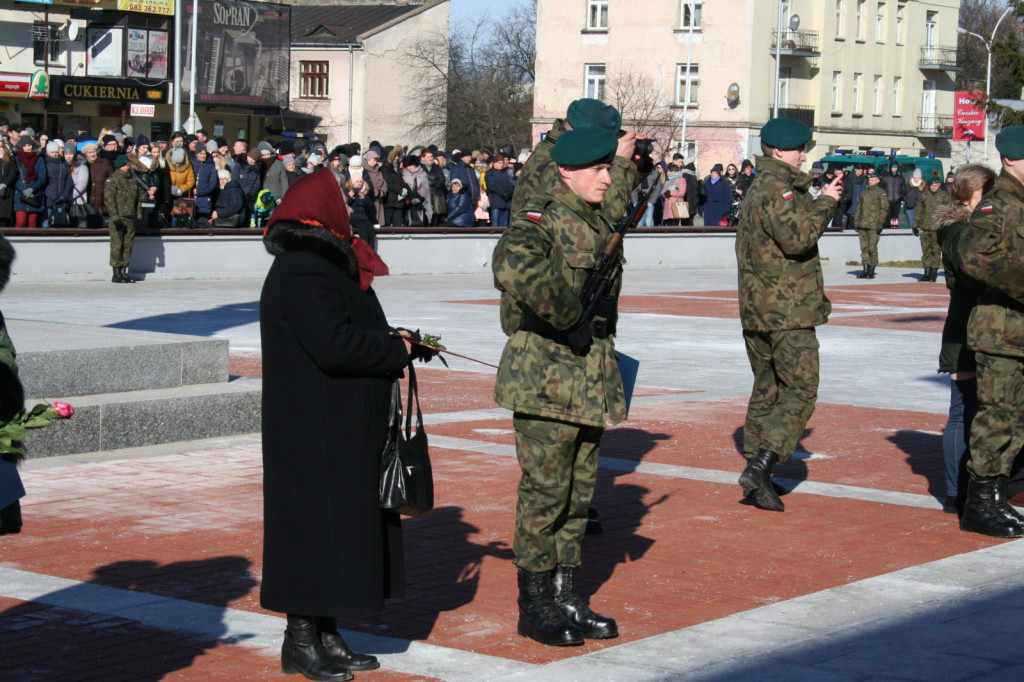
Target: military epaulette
{"points": [[788, 194]]}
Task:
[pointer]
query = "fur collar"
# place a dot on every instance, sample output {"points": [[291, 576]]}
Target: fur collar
{"points": [[287, 236], [951, 214]]}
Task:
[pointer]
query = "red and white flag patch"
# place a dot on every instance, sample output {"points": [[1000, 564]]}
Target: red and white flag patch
{"points": [[986, 209], [788, 194], [534, 215]]}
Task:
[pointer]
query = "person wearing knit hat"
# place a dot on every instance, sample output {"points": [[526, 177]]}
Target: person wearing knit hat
{"points": [[229, 209], [211, 147], [990, 252], [124, 207], [28, 189], [557, 443], [782, 299], [324, 333]]}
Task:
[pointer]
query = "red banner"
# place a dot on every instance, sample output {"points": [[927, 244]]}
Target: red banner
{"points": [[968, 116], [14, 84]]}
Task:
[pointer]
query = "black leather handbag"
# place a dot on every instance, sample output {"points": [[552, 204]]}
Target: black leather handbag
{"points": [[406, 479]]}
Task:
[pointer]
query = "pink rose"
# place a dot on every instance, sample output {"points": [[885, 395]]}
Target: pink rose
{"points": [[64, 411]]}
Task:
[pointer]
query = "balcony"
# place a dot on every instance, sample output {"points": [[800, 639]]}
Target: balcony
{"points": [[938, 58], [796, 112], [934, 126], [797, 43]]}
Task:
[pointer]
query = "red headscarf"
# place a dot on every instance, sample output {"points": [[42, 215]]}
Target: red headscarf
{"points": [[317, 200]]}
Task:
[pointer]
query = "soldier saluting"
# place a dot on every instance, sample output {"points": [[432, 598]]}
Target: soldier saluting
{"points": [[560, 377], [782, 300]]}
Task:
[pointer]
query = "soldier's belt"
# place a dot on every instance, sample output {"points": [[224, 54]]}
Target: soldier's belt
{"points": [[600, 328]]}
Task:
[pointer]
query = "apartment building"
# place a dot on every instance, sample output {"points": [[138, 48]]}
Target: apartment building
{"points": [[703, 77]]}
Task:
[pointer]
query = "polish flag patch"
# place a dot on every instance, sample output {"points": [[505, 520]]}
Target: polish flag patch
{"points": [[986, 209], [788, 194], [534, 215]]}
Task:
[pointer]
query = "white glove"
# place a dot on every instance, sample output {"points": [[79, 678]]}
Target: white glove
{"points": [[2, 187], [176, 191], [27, 192], [404, 192]]}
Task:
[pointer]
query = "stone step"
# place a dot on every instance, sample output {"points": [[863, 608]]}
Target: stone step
{"points": [[127, 419], [74, 360]]}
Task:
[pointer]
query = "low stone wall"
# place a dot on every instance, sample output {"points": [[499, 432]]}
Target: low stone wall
{"points": [[68, 255]]}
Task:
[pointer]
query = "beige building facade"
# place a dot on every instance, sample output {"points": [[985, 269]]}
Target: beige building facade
{"points": [[703, 77]]}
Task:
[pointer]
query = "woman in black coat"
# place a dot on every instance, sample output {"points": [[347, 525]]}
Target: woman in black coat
{"points": [[329, 359]]}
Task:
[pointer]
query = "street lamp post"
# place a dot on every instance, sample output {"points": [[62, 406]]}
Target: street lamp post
{"points": [[988, 70]]}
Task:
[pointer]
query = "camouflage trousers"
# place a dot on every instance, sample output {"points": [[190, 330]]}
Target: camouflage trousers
{"points": [[785, 365], [559, 464], [121, 243], [931, 253], [868, 245], [997, 433]]}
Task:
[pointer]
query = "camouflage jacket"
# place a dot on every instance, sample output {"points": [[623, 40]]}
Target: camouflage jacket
{"points": [[992, 251], [780, 281], [872, 208], [927, 204], [540, 264], [121, 197]]}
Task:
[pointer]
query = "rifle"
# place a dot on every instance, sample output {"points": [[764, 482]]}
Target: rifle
{"points": [[597, 283]]}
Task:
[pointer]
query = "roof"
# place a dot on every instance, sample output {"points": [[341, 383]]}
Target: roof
{"points": [[341, 24]]}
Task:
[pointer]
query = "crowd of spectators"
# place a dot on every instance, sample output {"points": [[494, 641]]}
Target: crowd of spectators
{"points": [[201, 181]]}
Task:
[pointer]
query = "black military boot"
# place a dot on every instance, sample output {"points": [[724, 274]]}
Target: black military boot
{"points": [[125, 277], [338, 650], [302, 652], [756, 480], [116, 278], [986, 511], [865, 272], [540, 619], [871, 272], [593, 625]]}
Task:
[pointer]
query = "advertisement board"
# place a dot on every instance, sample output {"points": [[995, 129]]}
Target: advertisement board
{"points": [[968, 116], [241, 53]]}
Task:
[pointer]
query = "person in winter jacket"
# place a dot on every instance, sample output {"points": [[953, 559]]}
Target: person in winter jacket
{"points": [[182, 175], [8, 176], [31, 183], [275, 176], [363, 210], [398, 193], [206, 182], [79, 168], [896, 189], [461, 212], [59, 183], [674, 191], [499, 191], [419, 211], [229, 211], [146, 176], [246, 171], [915, 188], [719, 197], [438, 186]]}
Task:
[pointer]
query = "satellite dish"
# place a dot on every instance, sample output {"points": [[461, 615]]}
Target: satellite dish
{"points": [[794, 22], [71, 30]]}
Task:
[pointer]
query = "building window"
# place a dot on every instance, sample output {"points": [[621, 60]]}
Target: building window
{"points": [[39, 40], [837, 100], [594, 85], [858, 26], [785, 74], [897, 85], [899, 23], [839, 18], [876, 97], [314, 80], [690, 13], [857, 80], [688, 148], [880, 23], [597, 15], [686, 85]]}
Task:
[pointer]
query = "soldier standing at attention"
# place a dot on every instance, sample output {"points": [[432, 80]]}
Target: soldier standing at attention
{"points": [[782, 300], [990, 252], [559, 376], [872, 210], [121, 197], [924, 225]]}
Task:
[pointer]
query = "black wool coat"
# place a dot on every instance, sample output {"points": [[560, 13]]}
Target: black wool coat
{"points": [[328, 365]]}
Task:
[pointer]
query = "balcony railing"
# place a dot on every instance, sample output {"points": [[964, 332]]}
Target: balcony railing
{"points": [[797, 43], [938, 57], [933, 125], [797, 112]]}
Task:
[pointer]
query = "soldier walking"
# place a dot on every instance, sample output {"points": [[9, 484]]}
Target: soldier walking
{"points": [[990, 252], [782, 300], [872, 210], [559, 376], [121, 197], [924, 225]]}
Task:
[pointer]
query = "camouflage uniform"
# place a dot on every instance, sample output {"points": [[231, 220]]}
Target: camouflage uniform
{"points": [[121, 197], [782, 299], [991, 253], [872, 211], [924, 221], [559, 399]]}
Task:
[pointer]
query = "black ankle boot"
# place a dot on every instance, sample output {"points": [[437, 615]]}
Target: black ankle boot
{"points": [[756, 480], [125, 277], [338, 650], [593, 625], [116, 278], [303, 653], [540, 619], [864, 272], [987, 512], [871, 272]]}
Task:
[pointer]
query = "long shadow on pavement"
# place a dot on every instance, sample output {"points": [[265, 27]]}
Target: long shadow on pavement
{"points": [[197, 322]]}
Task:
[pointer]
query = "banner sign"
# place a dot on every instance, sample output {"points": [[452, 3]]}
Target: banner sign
{"points": [[165, 7], [116, 90], [145, 110], [23, 85], [242, 52], [968, 116], [146, 54]]}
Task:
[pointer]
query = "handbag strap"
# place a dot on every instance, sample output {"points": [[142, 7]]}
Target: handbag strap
{"points": [[413, 396]]}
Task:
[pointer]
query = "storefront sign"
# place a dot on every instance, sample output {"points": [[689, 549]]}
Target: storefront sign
{"points": [[968, 116], [40, 87], [107, 90], [165, 7], [145, 110], [241, 53], [21, 85]]}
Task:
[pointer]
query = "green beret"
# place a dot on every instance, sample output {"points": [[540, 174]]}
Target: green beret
{"points": [[584, 146], [120, 160], [1010, 142], [935, 180], [785, 133], [872, 173], [593, 113]]}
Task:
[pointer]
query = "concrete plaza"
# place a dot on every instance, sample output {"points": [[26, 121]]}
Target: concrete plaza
{"points": [[144, 564]]}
